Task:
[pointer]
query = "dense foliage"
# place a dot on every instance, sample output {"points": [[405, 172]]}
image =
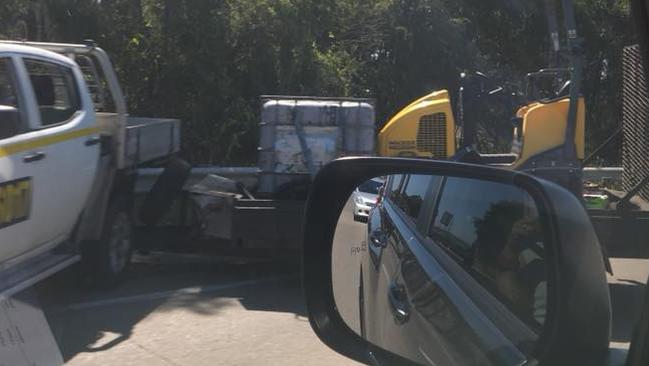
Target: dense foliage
{"points": [[207, 61]]}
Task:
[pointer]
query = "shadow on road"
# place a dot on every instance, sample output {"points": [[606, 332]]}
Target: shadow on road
{"points": [[626, 301], [86, 320]]}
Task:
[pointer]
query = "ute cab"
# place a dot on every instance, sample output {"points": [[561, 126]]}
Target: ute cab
{"points": [[48, 154], [69, 154]]}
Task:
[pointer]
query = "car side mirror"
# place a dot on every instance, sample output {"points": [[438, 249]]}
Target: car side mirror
{"points": [[458, 264]]}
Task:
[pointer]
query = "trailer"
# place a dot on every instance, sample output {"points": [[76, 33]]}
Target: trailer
{"points": [[298, 135]]}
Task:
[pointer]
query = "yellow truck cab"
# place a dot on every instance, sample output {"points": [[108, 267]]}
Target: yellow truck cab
{"points": [[426, 128]]}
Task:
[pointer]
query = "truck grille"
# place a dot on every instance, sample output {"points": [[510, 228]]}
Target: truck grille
{"points": [[431, 135]]}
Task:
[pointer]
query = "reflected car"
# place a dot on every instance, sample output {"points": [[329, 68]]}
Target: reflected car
{"points": [[364, 198], [422, 237]]}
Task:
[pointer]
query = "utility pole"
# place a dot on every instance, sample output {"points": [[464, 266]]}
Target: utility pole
{"points": [[575, 54]]}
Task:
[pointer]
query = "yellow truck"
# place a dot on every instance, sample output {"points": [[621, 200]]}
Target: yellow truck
{"points": [[547, 130], [548, 134], [426, 128]]}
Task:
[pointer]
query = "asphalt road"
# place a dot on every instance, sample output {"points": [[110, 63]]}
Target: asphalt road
{"points": [[627, 286], [195, 310], [186, 310]]}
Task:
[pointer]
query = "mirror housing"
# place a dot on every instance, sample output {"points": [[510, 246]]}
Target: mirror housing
{"points": [[577, 329]]}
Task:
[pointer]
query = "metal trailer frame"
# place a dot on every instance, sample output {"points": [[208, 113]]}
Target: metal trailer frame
{"points": [[268, 225]]}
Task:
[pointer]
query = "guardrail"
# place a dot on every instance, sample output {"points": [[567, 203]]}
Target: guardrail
{"points": [[596, 174], [249, 175], [180, 215], [246, 175]]}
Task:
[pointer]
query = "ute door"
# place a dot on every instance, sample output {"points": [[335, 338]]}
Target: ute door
{"points": [[66, 146], [379, 264], [17, 174]]}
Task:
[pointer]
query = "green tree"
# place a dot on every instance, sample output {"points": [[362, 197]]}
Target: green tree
{"points": [[207, 61]]}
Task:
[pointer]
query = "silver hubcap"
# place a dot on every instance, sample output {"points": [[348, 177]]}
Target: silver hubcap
{"points": [[120, 242]]}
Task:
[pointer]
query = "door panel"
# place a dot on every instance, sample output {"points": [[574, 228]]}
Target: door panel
{"points": [[433, 332], [454, 272], [442, 315], [16, 176], [65, 142], [379, 268], [445, 327], [469, 286]]}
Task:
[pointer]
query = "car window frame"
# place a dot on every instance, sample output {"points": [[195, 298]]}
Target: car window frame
{"points": [[496, 312], [405, 179], [446, 253], [424, 198], [21, 100], [389, 190], [73, 79]]}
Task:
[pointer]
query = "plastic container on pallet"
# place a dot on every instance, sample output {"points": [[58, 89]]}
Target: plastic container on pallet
{"points": [[331, 128]]}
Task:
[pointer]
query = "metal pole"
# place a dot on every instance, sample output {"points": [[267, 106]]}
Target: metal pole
{"points": [[574, 50], [553, 29]]}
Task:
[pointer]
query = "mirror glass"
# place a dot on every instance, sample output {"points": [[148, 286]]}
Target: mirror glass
{"points": [[442, 270]]}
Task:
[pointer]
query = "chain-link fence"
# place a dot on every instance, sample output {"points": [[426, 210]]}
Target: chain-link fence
{"points": [[635, 121]]}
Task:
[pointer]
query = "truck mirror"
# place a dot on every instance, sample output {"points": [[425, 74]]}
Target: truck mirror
{"points": [[457, 264]]}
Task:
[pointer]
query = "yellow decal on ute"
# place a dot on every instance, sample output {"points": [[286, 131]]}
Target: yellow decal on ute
{"points": [[23, 146], [15, 201]]}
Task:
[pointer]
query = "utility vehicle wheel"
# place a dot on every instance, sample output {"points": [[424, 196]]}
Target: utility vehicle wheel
{"points": [[107, 259]]}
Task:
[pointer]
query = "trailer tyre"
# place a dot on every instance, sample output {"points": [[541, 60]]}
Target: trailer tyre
{"points": [[107, 259], [165, 190]]}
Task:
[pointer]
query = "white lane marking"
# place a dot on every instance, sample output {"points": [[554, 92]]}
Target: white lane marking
{"points": [[426, 356], [195, 290], [385, 271]]}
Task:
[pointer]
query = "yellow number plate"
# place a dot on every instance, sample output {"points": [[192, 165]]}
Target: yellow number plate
{"points": [[15, 201]]}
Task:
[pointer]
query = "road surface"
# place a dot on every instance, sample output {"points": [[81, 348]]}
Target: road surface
{"points": [[180, 309], [187, 310]]}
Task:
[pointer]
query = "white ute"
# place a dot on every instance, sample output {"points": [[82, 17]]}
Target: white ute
{"points": [[68, 159]]}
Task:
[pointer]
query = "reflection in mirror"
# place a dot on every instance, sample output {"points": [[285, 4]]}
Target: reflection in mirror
{"points": [[442, 270]]}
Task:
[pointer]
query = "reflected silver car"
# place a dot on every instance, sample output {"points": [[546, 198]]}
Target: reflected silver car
{"points": [[364, 198]]}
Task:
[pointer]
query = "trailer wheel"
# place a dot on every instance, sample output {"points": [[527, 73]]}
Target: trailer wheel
{"points": [[107, 259], [165, 190]]}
